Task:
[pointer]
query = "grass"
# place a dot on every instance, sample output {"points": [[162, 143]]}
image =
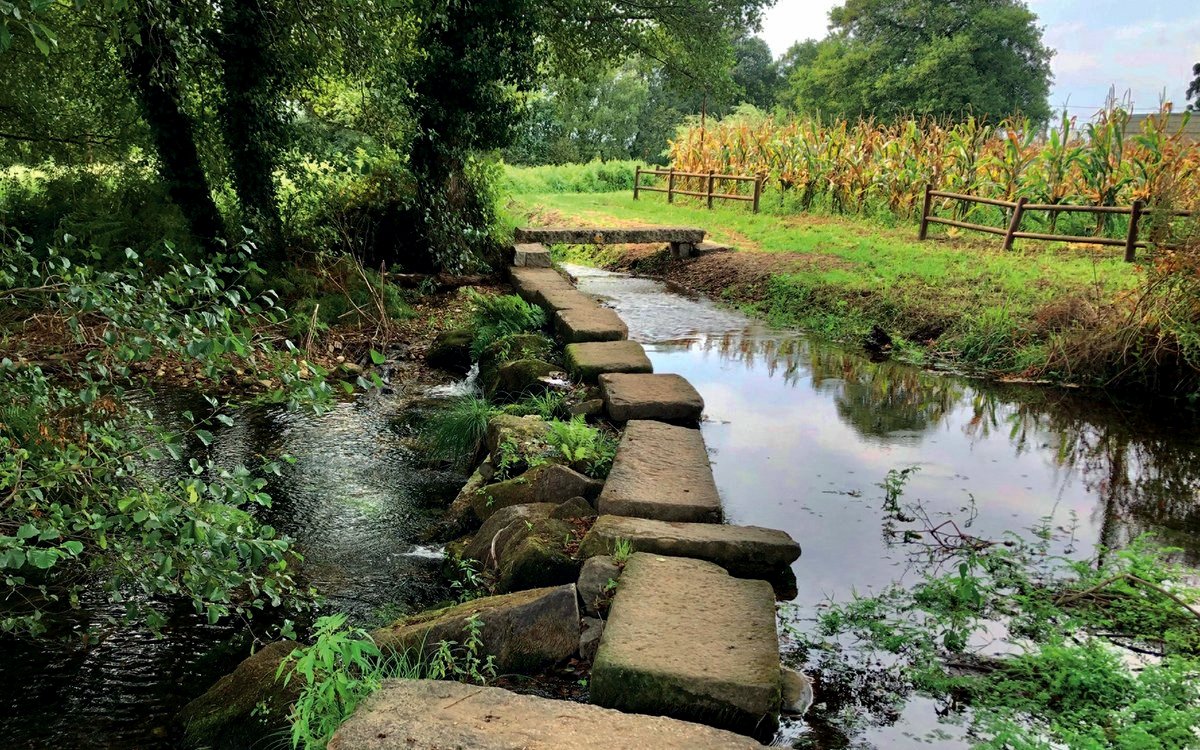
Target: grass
{"points": [[955, 297]]}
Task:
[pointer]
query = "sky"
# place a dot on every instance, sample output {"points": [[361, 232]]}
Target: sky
{"points": [[1143, 48]]}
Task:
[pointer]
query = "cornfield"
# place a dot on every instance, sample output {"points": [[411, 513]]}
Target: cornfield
{"points": [[867, 166]]}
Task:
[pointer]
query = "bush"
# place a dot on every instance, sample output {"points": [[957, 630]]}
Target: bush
{"points": [[457, 432], [593, 177], [493, 318]]}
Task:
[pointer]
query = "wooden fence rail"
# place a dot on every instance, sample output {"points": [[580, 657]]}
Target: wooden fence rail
{"points": [[710, 177], [1021, 206]]}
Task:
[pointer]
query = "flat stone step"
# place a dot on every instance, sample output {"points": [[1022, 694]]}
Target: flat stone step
{"points": [[529, 282], [438, 715], [661, 472], [554, 299], [705, 248], [685, 639], [665, 397], [532, 255], [594, 323], [608, 235], [745, 551], [588, 361]]}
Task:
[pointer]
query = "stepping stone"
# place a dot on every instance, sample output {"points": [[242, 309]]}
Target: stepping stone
{"points": [[746, 551], [593, 323], [661, 472], [685, 639], [554, 299], [588, 361], [667, 397], [529, 282], [439, 715], [531, 255]]}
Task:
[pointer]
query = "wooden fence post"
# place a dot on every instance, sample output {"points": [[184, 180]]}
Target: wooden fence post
{"points": [[637, 177], [671, 186], [757, 190], [1135, 216], [925, 213], [710, 188], [1015, 223]]}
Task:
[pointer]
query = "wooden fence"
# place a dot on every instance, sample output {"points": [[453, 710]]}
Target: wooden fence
{"points": [[1018, 208], [710, 178]]}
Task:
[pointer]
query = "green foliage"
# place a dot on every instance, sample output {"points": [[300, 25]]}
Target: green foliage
{"points": [[344, 665], [622, 549], [889, 60], [593, 177], [548, 405], [585, 448], [78, 502], [495, 317], [456, 433]]}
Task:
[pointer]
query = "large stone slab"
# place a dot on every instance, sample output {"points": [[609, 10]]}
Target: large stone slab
{"points": [[685, 639], [554, 299], [531, 255], [529, 282], [439, 715], [662, 472], [665, 397], [524, 631], [608, 235], [593, 323], [590, 360], [748, 551]]}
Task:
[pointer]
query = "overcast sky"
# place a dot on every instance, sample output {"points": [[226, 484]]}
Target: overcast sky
{"points": [[1145, 47]]}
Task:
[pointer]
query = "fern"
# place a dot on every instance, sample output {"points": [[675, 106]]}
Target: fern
{"points": [[495, 317]]}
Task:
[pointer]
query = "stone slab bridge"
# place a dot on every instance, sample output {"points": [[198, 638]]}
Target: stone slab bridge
{"points": [[530, 249]]}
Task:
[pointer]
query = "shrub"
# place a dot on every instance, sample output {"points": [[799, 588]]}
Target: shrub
{"points": [[457, 432], [593, 177], [343, 666], [586, 449], [493, 318]]}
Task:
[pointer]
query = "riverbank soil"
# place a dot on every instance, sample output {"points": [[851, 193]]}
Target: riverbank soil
{"points": [[1042, 311]]}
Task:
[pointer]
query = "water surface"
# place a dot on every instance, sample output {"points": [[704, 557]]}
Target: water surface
{"points": [[802, 432]]}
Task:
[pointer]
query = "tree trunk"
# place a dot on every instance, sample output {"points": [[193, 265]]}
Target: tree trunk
{"points": [[250, 111], [151, 67]]}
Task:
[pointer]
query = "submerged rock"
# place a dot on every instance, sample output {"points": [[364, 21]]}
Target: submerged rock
{"points": [[451, 350], [797, 692], [434, 715], [226, 715], [525, 631]]}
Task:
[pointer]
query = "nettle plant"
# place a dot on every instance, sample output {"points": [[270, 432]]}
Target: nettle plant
{"points": [[79, 504]]}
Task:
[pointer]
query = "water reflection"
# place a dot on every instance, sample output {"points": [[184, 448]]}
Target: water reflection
{"points": [[801, 432]]}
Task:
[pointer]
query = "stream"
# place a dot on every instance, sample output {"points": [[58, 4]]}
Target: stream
{"points": [[801, 435], [803, 432]]}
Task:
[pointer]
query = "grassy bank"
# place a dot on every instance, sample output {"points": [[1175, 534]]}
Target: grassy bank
{"points": [[1047, 311]]}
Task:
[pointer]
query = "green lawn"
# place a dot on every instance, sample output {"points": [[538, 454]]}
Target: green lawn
{"points": [[961, 298]]}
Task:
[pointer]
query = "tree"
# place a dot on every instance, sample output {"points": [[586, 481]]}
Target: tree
{"points": [[1193, 89], [890, 59], [755, 71]]}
